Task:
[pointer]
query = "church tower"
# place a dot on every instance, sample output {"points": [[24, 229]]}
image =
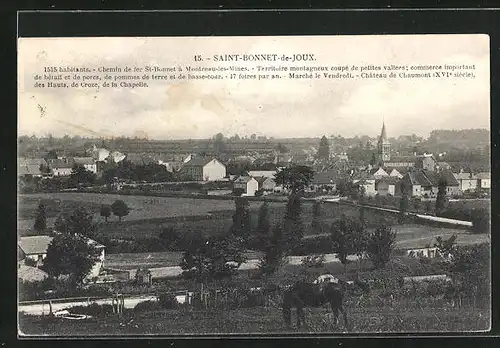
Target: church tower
{"points": [[384, 146]]}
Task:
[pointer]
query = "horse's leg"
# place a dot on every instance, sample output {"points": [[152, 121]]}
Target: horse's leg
{"points": [[344, 314], [302, 315], [287, 316], [335, 311]]}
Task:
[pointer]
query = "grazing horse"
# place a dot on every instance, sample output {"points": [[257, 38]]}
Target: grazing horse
{"points": [[321, 291]]}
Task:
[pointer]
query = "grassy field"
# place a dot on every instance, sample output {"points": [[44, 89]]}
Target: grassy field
{"points": [[210, 217], [400, 317], [159, 259]]}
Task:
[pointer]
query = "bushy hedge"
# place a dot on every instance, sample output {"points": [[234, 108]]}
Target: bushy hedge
{"points": [[314, 245], [94, 310], [167, 301], [147, 306]]}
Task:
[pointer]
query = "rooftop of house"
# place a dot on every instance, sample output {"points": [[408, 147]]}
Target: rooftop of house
{"points": [[375, 170], [139, 158], [29, 169], [264, 173], [262, 179], [402, 159], [31, 161], [391, 180], [61, 163], [483, 175], [199, 161], [429, 178], [465, 176], [84, 160], [31, 274], [243, 179], [35, 245]]}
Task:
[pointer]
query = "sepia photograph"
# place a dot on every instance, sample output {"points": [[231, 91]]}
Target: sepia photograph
{"points": [[253, 185]]}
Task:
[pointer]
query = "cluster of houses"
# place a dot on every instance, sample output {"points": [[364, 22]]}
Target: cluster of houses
{"points": [[420, 175]]}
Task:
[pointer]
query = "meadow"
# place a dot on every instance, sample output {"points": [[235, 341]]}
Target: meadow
{"points": [[150, 215], [402, 316]]}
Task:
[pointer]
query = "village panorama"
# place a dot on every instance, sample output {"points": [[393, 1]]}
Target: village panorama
{"points": [[245, 234]]}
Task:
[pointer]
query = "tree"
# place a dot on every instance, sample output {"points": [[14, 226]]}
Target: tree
{"points": [[263, 226], [481, 220], [362, 214], [469, 269], [316, 224], [170, 239], [219, 144], [381, 244], [80, 175], [323, 149], [120, 209], [217, 258], [281, 148], [403, 202], [441, 197], [70, 255], [293, 228], [347, 237], [60, 224], [274, 252], [81, 223], [294, 178], [52, 154], [373, 161], [241, 227], [105, 211], [40, 219]]}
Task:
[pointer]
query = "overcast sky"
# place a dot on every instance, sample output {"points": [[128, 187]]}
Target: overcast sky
{"points": [[278, 108]]}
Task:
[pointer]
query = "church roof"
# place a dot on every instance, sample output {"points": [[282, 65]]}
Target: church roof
{"points": [[383, 134]]}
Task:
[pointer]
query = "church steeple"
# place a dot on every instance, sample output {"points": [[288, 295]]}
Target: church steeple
{"points": [[383, 134], [384, 146]]}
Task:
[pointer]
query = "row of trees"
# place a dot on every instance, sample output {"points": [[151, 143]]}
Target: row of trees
{"points": [[220, 256], [118, 208]]}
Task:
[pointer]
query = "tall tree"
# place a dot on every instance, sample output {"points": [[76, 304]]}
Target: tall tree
{"points": [[106, 211], [403, 202], [293, 227], [81, 223], [441, 197], [294, 178], [348, 237], [119, 209], [218, 257], [381, 244], [71, 255], [219, 145], [60, 225], [52, 154], [241, 227], [263, 226], [274, 252], [80, 175], [40, 219], [323, 149], [316, 224], [373, 161]]}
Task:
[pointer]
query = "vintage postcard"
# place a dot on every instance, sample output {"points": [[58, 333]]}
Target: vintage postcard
{"points": [[253, 185]]}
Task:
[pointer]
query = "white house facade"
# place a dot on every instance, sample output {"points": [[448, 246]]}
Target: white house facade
{"points": [[246, 183], [214, 170]]}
